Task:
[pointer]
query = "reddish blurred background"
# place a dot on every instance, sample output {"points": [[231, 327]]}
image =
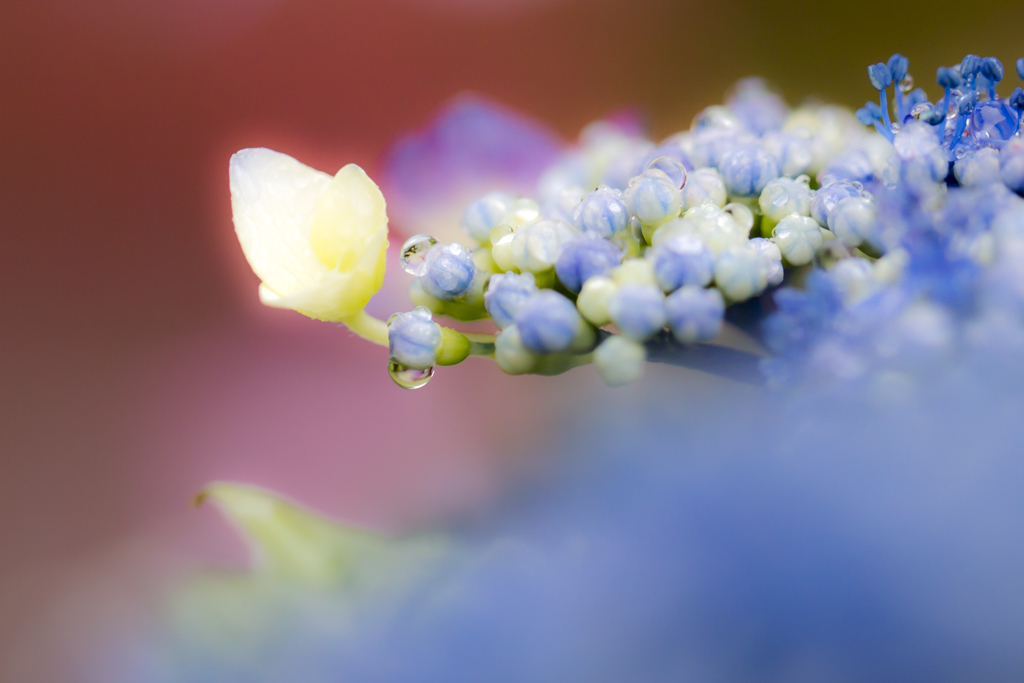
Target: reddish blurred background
{"points": [[137, 364]]}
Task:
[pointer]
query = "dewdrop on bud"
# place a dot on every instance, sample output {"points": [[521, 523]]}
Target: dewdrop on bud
{"points": [[653, 198], [784, 196], [414, 338], [486, 213], [703, 185], [619, 361]]}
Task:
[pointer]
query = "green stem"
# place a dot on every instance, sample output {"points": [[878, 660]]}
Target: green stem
{"points": [[369, 328]]}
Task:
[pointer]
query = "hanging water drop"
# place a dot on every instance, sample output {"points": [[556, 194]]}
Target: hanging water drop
{"points": [[408, 378], [414, 253], [907, 84], [670, 167]]}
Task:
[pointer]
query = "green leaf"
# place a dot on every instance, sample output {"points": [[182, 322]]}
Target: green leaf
{"points": [[292, 543]]}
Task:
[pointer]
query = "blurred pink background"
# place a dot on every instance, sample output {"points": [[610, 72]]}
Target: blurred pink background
{"points": [[138, 364]]}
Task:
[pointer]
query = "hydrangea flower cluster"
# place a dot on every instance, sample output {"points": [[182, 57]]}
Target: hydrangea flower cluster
{"points": [[632, 250]]}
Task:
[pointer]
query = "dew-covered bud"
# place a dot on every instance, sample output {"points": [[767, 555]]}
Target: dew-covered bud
{"points": [[703, 185], [486, 213], [548, 323], [592, 302], [772, 257], [740, 273], [448, 271], [653, 198], [602, 212], [980, 167], [784, 196], [414, 338], [638, 311], [853, 220], [826, 198], [511, 355], [505, 293], [695, 314], [619, 360], [583, 258], [746, 169], [798, 238], [535, 247], [681, 260], [1011, 165]]}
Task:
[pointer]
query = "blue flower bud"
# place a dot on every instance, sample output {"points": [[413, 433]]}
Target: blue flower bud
{"points": [[854, 165], [448, 271], [898, 65], [740, 272], [704, 185], [865, 116], [1011, 165], [414, 338], [798, 238], [505, 293], [853, 220], [1017, 99], [992, 68], [583, 258], [784, 196], [746, 169], [548, 322], [695, 314], [880, 76], [970, 66], [681, 260], [619, 361], [947, 78], [653, 198], [486, 213], [603, 212], [757, 107], [826, 198], [771, 255], [1020, 68], [638, 311], [794, 152]]}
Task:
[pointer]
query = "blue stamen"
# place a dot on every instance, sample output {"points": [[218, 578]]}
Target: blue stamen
{"points": [[964, 109], [992, 68], [898, 65], [1020, 68], [969, 68]]}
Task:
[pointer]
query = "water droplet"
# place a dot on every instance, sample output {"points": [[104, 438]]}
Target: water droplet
{"points": [[907, 84], [414, 253], [500, 231], [670, 167], [409, 378], [895, 127], [525, 210], [960, 152], [636, 229]]}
